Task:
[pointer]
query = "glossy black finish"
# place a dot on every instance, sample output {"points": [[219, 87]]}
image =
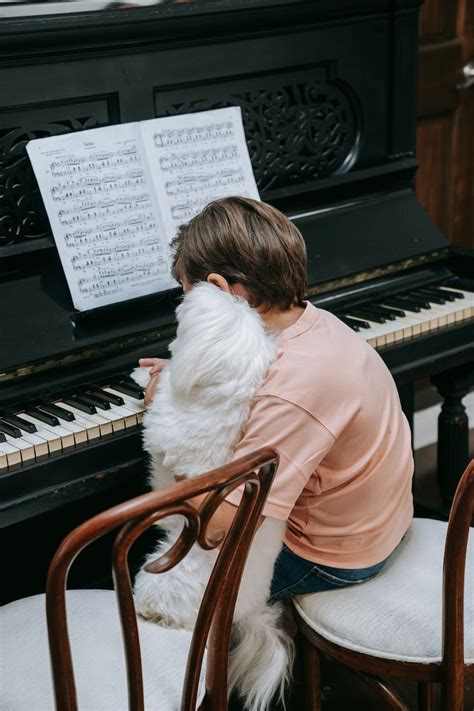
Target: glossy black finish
{"points": [[58, 411], [22, 424]]}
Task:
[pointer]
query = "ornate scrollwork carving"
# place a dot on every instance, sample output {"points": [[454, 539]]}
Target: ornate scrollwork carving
{"points": [[296, 133], [22, 213]]}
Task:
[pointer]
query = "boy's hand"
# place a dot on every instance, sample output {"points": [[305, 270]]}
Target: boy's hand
{"points": [[156, 365]]}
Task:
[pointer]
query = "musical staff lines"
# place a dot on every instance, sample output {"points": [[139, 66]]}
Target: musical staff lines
{"points": [[89, 186], [227, 178], [102, 160], [197, 159], [194, 134], [116, 195]]}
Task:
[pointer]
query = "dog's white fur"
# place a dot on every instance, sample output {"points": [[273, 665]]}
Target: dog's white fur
{"points": [[218, 362]]}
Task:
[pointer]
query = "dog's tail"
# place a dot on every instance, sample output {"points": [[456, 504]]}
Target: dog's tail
{"points": [[261, 659]]}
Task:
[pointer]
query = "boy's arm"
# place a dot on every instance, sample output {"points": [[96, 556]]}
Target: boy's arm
{"points": [[222, 519]]}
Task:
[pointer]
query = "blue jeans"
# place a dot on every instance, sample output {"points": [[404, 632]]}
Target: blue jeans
{"points": [[293, 575]]}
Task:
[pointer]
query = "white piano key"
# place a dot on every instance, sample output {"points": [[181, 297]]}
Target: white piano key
{"points": [[91, 427], [105, 426], [40, 444], [66, 437], [136, 406], [10, 456], [378, 335], [129, 417], [78, 430], [27, 450], [52, 438], [117, 419]]}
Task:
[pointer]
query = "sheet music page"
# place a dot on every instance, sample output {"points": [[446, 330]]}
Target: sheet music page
{"points": [[196, 158], [104, 214]]}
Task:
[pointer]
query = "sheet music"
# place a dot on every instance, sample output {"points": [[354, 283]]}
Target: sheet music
{"points": [[197, 158], [116, 195], [104, 215]]}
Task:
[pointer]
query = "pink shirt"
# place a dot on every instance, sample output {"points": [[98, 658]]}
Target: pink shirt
{"points": [[330, 407]]}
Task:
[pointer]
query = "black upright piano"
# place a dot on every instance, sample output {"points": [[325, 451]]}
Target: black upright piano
{"points": [[327, 90]]}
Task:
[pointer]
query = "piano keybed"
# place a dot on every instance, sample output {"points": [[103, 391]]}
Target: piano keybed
{"points": [[390, 320], [51, 427], [93, 413]]}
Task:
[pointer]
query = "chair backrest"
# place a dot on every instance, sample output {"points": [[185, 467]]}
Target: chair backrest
{"points": [[213, 626], [460, 520]]}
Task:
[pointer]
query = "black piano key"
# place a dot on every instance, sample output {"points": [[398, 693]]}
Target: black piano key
{"points": [[95, 401], [130, 383], [17, 421], [431, 295], [417, 300], [9, 430], [359, 322], [58, 412], [387, 315], [2, 437], [368, 313], [127, 389], [79, 404], [43, 416], [451, 295], [448, 295], [108, 397], [352, 323], [392, 311], [404, 304]]}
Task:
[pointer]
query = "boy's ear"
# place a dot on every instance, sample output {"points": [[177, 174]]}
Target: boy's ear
{"points": [[219, 281]]}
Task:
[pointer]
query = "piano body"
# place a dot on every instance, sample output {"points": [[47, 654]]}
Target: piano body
{"points": [[328, 95]]}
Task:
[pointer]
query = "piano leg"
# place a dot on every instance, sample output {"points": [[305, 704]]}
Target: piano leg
{"points": [[453, 428]]}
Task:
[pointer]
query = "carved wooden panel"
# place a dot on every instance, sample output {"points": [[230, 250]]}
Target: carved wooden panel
{"points": [[297, 131], [22, 214]]}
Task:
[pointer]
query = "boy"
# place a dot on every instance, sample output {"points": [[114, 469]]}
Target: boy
{"points": [[328, 405]]}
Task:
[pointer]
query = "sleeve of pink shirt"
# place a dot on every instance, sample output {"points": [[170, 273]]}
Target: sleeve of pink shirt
{"points": [[300, 440]]}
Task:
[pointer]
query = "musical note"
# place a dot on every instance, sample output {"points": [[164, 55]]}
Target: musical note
{"points": [[115, 196], [195, 134]]}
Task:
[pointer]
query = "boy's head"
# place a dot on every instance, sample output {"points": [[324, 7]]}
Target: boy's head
{"points": [[248, 243]]}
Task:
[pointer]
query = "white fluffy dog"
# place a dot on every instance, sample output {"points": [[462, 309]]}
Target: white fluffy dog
{"points": [[218, 361]]}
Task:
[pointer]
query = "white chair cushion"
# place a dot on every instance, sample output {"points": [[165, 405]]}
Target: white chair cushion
{"points": [[98, 656], [397, 614]]}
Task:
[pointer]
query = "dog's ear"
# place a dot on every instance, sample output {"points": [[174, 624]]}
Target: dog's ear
{"points": [[141, 376], [218, 336]]}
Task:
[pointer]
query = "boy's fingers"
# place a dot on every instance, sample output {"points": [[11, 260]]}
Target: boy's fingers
{"points": [[147, 362], [151, 389]]}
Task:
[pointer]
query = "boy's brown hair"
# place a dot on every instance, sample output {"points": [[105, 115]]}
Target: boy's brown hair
{"points": [[248, 242]]}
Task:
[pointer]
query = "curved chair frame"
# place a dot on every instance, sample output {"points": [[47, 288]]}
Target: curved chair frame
{"points": [[452, 670], [213, 626]]}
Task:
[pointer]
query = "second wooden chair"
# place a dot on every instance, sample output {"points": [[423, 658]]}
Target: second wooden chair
{"points": [[163, 668]]}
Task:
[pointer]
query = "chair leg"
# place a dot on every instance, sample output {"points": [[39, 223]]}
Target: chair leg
{"points": [[426, 696], [311, 675], [391, 700]]}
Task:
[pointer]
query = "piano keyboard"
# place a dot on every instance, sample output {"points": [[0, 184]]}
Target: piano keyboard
{"points": [[398, 318], [60, 425], [98, 412]]}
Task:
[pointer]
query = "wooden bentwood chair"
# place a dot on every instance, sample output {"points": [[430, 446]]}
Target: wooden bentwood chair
{"points": [[173, 660], [414, 620]]}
